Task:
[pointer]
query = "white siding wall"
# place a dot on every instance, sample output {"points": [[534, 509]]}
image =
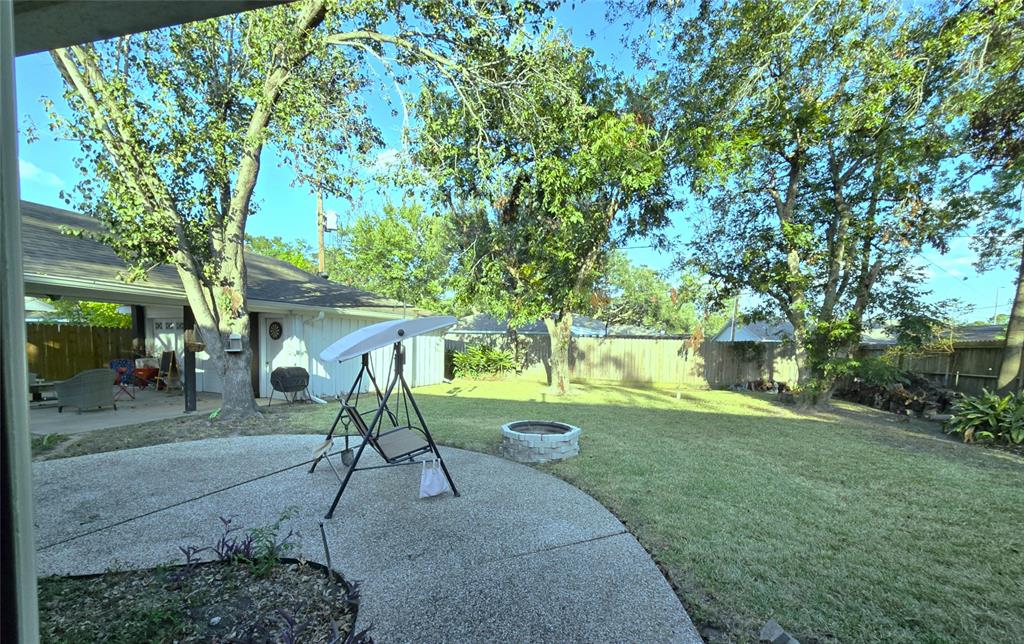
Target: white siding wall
{"points": [[305, 337], [170, 336], [425, 355]]}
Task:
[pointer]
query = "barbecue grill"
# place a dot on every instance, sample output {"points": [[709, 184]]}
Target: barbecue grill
{"points": [[290, 381]]}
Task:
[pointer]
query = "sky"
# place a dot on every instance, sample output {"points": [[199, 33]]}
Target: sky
{"points": [[47, 168]]}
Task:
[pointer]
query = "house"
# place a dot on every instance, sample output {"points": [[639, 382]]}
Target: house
{"points": [[778, 331], [293, 314]]}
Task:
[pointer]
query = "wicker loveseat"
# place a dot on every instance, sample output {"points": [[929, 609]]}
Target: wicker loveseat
{"points": [[86, 389]]}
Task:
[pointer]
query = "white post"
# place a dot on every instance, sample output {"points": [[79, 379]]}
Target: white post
{"points": [[20, 617]]}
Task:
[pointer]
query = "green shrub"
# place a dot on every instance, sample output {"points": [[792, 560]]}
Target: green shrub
{"points": [[989, 416], [879, 372], [480, 360]]}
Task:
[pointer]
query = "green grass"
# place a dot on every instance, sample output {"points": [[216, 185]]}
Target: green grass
{"points": [[847, 526]]}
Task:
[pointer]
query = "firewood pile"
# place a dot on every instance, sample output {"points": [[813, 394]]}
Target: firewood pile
{"points": [[916, 396]]}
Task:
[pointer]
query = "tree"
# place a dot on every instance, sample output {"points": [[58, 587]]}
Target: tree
{"points": [[985, 99], [640, 296], [542, 195], [83, 313], [404, 253], [173, 125], [805, 129], [296, 253]]}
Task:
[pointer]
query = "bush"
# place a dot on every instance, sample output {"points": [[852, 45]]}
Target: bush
{"points": [[989, 416], [879, 372], [479, 360]]}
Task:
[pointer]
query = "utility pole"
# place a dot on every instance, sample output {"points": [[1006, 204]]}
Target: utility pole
{"points": [[321, 223], [735, 312]]}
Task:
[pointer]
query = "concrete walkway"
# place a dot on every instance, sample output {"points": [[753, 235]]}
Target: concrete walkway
{"points": [[520, 556]]}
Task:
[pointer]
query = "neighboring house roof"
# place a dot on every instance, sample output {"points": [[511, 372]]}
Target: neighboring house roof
{"points": [[761, 331], [582, 326], [779, 330], [56, 263]]}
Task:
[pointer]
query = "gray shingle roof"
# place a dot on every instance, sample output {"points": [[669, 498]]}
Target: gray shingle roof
{"points": [[48, 253], [779, 330]]}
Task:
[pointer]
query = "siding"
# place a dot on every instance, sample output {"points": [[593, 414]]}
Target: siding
{"points": [[306, 336]]}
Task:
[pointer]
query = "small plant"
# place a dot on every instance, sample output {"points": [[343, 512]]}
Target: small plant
{"points": [[46, 442], [990, 417], [480, 360], [259, 548]]}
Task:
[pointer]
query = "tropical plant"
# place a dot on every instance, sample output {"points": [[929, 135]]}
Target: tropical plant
{"points": [[481, 360], [991, 417]]}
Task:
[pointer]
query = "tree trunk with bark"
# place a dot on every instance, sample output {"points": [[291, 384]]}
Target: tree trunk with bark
{"points": [[560, 335], [1013, 350]]}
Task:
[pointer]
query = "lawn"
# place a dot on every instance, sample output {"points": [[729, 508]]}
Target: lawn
{"points": [[847, 526]]}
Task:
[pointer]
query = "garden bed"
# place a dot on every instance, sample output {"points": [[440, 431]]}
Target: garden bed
{"points": [[208, 602]]}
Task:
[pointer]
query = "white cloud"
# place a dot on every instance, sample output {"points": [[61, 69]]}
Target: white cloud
{"points": [[31, 172], [386, 159]]}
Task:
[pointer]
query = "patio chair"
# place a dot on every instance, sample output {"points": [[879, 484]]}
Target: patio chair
{"points": [[85, 390], [124, 370]]}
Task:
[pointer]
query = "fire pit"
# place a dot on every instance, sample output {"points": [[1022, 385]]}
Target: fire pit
{"points": [[539, 441]]}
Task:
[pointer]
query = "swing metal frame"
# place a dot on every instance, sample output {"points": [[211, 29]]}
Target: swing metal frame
{"points": [[399, 444]]}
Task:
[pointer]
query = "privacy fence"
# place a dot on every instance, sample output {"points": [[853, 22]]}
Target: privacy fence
{"points": [[689, 363], [666, 361], [59, 351], [969, 367]]}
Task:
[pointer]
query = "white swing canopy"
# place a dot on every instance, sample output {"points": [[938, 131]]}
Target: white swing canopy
{"points": [[381, 335]]}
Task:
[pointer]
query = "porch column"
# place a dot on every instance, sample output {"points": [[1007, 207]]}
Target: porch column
{"points": [[20, 621], [190, 359], [254, 344], [139, 330]]}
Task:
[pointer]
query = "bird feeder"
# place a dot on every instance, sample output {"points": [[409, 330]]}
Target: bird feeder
{"points": [[234, 344]]}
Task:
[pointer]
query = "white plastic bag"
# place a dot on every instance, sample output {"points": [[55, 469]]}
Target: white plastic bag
{"points": [[432, 479]]}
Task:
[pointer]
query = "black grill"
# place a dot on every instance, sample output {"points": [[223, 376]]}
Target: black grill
{"points": [[289, 379]]}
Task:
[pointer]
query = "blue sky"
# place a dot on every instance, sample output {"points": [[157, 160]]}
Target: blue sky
{"points": [[47, 168]]}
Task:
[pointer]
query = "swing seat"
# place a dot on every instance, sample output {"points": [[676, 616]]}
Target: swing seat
{"points": [[398, 444]]}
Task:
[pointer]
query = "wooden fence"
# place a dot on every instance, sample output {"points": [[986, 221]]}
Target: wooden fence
{"points": [[969, 368], [59, 351], [666, 361]]}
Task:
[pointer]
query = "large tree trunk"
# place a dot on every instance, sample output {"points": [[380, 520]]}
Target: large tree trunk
{"points": [[560, 334], [1013, 350]]}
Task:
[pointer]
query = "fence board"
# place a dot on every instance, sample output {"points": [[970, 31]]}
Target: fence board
{"points": [[714, 364], [59, 351]]}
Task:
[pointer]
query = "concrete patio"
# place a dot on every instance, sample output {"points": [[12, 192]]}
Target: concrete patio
{"points": [[147, 406], [520, 556]]}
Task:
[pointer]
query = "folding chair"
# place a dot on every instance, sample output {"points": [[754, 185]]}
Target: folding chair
{"points": [[124, 370], [400, 444]]}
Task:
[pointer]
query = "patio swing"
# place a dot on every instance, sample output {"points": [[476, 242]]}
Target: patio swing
{"points": [[394, 427]]}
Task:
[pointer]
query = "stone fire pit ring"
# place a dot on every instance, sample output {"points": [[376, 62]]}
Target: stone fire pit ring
{"points": [[539, 441]]}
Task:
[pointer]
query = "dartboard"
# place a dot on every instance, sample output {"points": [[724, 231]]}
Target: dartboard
{"points": [[274, 330]]}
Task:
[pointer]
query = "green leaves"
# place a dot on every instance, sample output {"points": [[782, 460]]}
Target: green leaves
{"points": [[404, 253], [989, 417], [542, 179]]}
